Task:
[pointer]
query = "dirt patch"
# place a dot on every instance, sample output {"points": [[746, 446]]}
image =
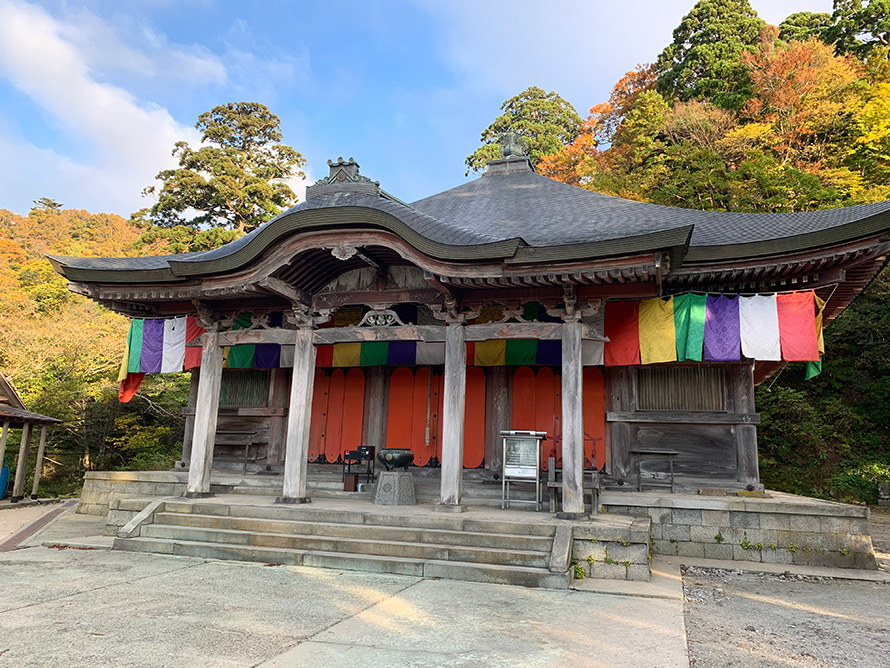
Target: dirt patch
{"points": [[759, 620]]}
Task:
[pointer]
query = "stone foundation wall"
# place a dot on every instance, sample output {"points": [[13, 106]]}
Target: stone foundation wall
{"points": [[102, 487], [817, 533], [611, 553], [121, 511]]}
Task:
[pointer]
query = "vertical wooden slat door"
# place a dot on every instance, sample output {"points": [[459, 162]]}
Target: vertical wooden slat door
{"points": [[421, 417], [537, 407], [474, 419], [318, 424], [399, 416], [524, 399], [415, 406], [337, 413], [353, 410], [594, 417], [334, 430]]}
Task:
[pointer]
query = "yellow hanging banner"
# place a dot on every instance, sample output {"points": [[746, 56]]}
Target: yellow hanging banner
{"points": [[657, 333]]}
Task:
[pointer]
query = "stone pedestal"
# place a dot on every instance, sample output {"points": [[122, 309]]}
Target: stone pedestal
{"points": [[395, 488]]}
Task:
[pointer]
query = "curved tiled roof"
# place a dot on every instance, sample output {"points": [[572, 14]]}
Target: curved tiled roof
{"points": [[519, 203], [514, 213]]}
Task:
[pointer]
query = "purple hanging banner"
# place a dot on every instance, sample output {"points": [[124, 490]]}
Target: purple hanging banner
{"points": [[549, 353], [402, 353], [152, 346], [722, 331], [267, 356]]}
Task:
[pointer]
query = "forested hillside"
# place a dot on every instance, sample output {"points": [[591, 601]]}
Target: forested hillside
{"points": [[62, 351]]}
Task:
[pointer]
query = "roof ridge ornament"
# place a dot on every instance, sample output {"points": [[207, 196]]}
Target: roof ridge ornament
{"points": [[344, 177], [515, 152]]}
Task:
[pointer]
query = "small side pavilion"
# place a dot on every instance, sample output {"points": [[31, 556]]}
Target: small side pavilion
{"points": [[14, 415]]}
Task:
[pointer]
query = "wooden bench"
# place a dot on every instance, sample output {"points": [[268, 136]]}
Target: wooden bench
{"points": [[236, 439], [554, 486], [640, 453]]}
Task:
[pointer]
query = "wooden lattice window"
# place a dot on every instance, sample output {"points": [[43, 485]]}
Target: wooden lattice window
{"points": [[244, 387], [681, 389]]}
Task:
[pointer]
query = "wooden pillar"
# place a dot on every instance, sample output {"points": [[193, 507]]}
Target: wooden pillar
{"points": [[572, 422], [38, 466], [374, 423], [279, 396], [206, 413], [21, 466], [748, 470], [620, 401], [189, 430], [299, 415], [4, 435], [453, 403], [497, 413]]}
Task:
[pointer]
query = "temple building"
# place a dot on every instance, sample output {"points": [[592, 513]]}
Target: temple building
{"points": [[510, 302]]}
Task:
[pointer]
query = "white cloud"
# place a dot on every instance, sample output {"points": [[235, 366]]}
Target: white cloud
{"points": [[126, 142], [107, 48], [577, 48]]}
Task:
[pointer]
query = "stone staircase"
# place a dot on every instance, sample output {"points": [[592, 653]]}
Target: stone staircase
{"points": [[426, 488], [423, 545]]}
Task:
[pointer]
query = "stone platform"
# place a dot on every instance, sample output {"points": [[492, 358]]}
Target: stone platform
{"points": [[781, 529]]}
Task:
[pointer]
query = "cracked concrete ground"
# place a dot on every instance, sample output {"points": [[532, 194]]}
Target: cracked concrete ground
{"points": [[74, 607]]}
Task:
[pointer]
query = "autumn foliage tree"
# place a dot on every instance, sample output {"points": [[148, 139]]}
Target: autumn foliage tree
{"points": [[808, 128]]}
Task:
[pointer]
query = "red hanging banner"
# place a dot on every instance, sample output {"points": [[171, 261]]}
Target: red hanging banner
{"points": [[797, 327], [623, 331]]}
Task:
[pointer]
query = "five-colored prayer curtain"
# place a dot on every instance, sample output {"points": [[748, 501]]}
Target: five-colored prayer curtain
{"points": [[710, 328], [715, 328]]}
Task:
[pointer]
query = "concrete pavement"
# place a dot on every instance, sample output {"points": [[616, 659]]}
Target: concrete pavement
{"points": [[79, 606], [99, 608]]}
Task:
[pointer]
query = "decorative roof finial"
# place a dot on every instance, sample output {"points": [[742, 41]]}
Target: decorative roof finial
{"points": [[513, 144]]}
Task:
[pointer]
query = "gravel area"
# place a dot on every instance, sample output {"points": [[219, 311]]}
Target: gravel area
{"points": [[759, 620]]}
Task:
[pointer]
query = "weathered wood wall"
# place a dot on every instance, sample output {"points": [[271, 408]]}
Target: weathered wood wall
{"points": [[718, 444]]}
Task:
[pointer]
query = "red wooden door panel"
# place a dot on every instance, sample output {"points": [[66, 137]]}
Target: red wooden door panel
{"points": [[548, 410], [399, 413], [421, 417], [524, 399], [474, 418], [353, 410], [438, 388], [334, 431], [318, 423], [594, 416]]}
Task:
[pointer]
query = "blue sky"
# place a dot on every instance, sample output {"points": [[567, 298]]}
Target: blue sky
{"points": [[93, 94]]}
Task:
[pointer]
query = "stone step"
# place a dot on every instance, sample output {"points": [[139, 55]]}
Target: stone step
{"points": [[356, 546], [343, 530], [454, 522], [452, 570]]}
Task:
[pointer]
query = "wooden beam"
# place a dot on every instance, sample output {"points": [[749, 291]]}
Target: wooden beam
{"points": [[38, 465], [282, 289], [207, 405], [299, 416], [453, 403], [21, 468], [430, 278], [328, 300], [572, 423], [684, 417], [358, 334]]}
